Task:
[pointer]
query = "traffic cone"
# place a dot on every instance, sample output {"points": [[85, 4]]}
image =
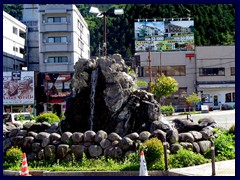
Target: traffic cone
{"points": [[24, 170], [143, 167]]}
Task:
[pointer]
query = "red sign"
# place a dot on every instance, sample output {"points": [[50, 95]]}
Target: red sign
{"points": [[190, 55]]}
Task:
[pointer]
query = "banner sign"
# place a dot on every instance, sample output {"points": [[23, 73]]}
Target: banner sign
{"points": [[164, 36], [57, 86], [18, 88]]}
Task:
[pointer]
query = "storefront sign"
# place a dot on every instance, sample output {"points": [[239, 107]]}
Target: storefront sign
{"points": [[18, 88]]}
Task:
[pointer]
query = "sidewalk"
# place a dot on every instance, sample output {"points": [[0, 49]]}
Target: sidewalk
{"points": [[222, 168]]}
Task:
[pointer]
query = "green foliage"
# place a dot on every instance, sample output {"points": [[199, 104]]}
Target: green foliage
{"points": [[47, 117], [214, 24], [164, 86], [13, 157], [193, 98], [14, 10], [224, 145], [185, 158], [153, 151], [141, 83], [167, 110]]}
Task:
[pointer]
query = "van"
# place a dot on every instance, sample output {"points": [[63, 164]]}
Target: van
{"points": [[17, 118]]}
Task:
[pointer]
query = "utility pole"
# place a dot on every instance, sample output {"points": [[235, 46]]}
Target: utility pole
{"points": [[104, 35], [149, 66], [160, 62]]}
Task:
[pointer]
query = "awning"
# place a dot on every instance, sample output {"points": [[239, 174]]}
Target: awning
{"points": [[216, 86]]}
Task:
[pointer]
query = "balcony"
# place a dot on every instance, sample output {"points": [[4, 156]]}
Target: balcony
{"points": [[55, 47], [55, 27]]}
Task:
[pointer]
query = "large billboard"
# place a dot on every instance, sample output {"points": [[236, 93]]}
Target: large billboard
{"points": [[164, 35], [18, 87]]}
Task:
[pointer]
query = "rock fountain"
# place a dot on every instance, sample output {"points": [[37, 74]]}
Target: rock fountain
{"points": [[103, 98]]}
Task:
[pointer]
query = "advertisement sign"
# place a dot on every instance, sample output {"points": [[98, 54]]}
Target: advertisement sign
{"points": [[18, 87], [57, 86], [164, 35]]}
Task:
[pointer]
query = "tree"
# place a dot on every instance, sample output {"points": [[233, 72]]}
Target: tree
{"points": [[164, 86], [193, 99]]}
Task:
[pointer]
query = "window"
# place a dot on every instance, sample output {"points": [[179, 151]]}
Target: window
{"points": [[167, 70], [61, 39], [211, 72], [15, 31], [232, 71], [22, 51], [15, 49], [233, 96], [205, 98], [57, 20], [22, 34], [60, 59], [230, 97]]}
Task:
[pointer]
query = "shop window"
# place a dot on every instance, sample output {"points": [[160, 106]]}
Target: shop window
{"points": [[205, 98], [211, 72], [232, 71], [228, 97], [233, 96]]}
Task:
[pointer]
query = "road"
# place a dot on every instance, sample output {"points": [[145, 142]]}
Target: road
{"points": [[224, 119]]}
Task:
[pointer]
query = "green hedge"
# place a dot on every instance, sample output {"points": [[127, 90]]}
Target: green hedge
{"points": [[167, 110], [47, 117]]}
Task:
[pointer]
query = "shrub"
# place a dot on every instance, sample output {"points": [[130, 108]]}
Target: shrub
{"points": [[185, 158], [47, 117], [167, 110], [13, 157], [153, 151], [224, 145]]}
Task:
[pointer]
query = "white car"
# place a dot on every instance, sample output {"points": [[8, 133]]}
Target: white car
{"points": [[17, 118]]}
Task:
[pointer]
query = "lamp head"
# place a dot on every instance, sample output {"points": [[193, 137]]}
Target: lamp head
{"points": [[94, 10], [118, 11]]}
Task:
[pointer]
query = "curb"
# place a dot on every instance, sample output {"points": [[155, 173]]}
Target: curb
{"points": [[90, 173]]}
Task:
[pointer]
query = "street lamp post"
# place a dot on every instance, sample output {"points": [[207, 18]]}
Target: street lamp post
{"points": [[100, 14]]}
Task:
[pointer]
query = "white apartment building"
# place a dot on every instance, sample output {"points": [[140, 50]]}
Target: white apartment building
{"points": [[14, 36], [57, 37], [63, 38]]}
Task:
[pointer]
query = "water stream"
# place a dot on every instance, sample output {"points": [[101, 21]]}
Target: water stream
{"points": [[94, 78]]}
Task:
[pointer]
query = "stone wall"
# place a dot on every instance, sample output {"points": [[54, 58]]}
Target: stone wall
{"points": [[42, 140]]}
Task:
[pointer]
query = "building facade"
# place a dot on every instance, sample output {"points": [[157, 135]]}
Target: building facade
{"points": [[63, 39], [57, 36], [30, 19], [216, 75], [208, 71], [14, 47], [176, 64]]}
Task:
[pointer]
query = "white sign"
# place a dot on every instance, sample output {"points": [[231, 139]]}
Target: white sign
{"points": [[205, 108]]}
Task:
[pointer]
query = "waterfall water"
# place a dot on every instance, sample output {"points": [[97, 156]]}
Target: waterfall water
{"points": [[92, 96]]}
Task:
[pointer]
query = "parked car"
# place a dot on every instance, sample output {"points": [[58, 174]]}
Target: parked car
{"points": [[17, 118]]}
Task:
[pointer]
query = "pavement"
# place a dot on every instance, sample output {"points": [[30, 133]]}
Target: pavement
{"points": [[222, 168]]}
